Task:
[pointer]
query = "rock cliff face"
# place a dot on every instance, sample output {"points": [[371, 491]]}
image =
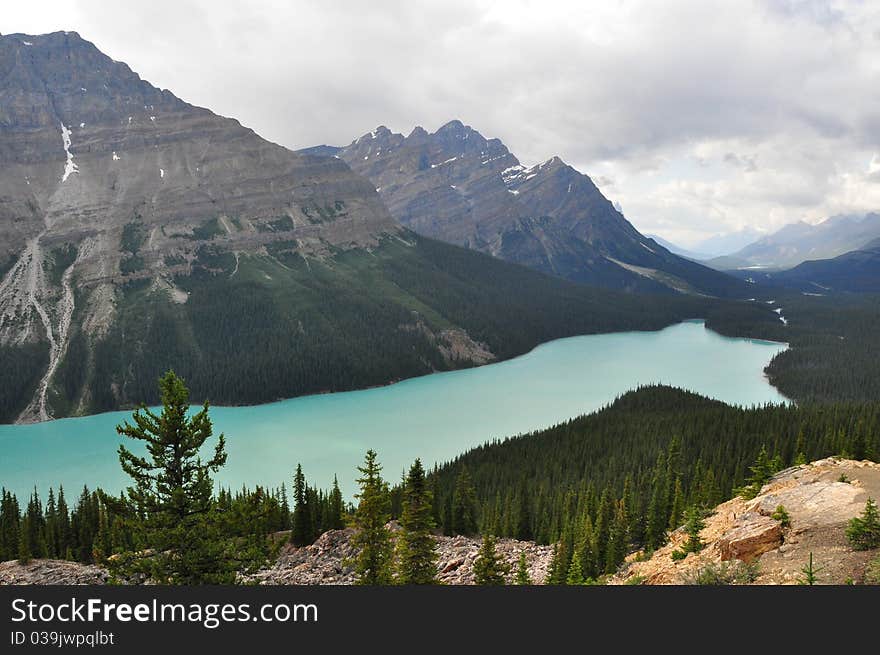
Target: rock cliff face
{"points": [[106, 180], [819, 504], [460, 187]]}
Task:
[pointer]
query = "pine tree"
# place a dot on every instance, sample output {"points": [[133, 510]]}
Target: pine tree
{"points": [[489, 569], [693, 525], [810, 572], [464, 505], [416, 549], [586, 550], [169, 508], [64, 536], [524, 515], [800, 457], [656, 519], [863, 532], [522, 570], [335, 520], [372, 540], [675, 514], [602, 530], [575, 573], [24, 546], [301, 532], [618, 540]]}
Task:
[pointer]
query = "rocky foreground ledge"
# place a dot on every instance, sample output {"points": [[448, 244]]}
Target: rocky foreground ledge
{"points": [[820, 499], [322, 563]]}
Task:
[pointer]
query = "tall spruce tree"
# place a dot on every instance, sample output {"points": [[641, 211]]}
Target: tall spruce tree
{"points": [[524, 515], [522, 570], [169, 508], [464, 505], [302, 522], [373, 563], [693, 526], [336, 508], [416, 549], [489, 568]]}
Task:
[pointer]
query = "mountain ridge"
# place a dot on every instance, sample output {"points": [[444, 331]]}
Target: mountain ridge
{"points": [[458, 186]]}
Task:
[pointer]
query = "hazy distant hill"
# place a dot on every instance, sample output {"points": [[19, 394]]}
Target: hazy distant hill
{"points": [[799, 242]]}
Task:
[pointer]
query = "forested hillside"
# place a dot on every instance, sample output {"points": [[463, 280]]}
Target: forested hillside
{"points": [[620, 478], [833, 340]]}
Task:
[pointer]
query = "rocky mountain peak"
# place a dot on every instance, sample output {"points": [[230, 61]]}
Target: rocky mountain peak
{"points": [[458, 186]]}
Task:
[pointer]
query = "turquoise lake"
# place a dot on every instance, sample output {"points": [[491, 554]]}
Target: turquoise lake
{"points": [[435, 417]]}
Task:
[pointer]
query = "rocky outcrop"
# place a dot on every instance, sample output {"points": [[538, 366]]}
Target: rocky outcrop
{"points": [[51, 572], [754, 535], [820, 498], [327, 561]]}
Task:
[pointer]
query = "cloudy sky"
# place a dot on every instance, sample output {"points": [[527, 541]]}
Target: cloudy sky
{"points": [[699, 117]]}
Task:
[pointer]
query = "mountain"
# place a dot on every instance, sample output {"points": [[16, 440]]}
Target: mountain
{"points": [[856, 271], [801, 241], [678, 250], [723, 244], [140, 233], [458, 186]]}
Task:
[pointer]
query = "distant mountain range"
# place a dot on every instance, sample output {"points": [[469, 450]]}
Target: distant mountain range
{"points": [[456, 185], [140, 233], [800, 242], [857, 271], [678, 250]]}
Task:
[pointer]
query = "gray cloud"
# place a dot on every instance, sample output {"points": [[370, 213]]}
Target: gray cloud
{"points": [[634, 91]]}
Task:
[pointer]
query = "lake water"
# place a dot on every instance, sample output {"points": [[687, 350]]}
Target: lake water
{"points": [[435, 417]]}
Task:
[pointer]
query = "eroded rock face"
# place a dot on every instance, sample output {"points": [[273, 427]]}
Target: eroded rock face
{"points": [[819, 507], [754, 535], [107, 183]]}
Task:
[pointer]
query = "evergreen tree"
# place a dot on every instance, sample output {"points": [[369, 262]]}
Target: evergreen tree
{"points": [[301, 533], [693, 525], [522, 570], [575, 573], [416, 549], [169, 507], [64, 536], [863, 532], [586, 551], [675, 514], [24, 546], [284, 510], [464, 505], [810, 572], [524, 516], [372, 540], [618, 541], [336, 508], [489, 569], [656, 519]]}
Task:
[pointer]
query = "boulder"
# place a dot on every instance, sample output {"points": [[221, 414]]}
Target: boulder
{"points": [[754, 535]]}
